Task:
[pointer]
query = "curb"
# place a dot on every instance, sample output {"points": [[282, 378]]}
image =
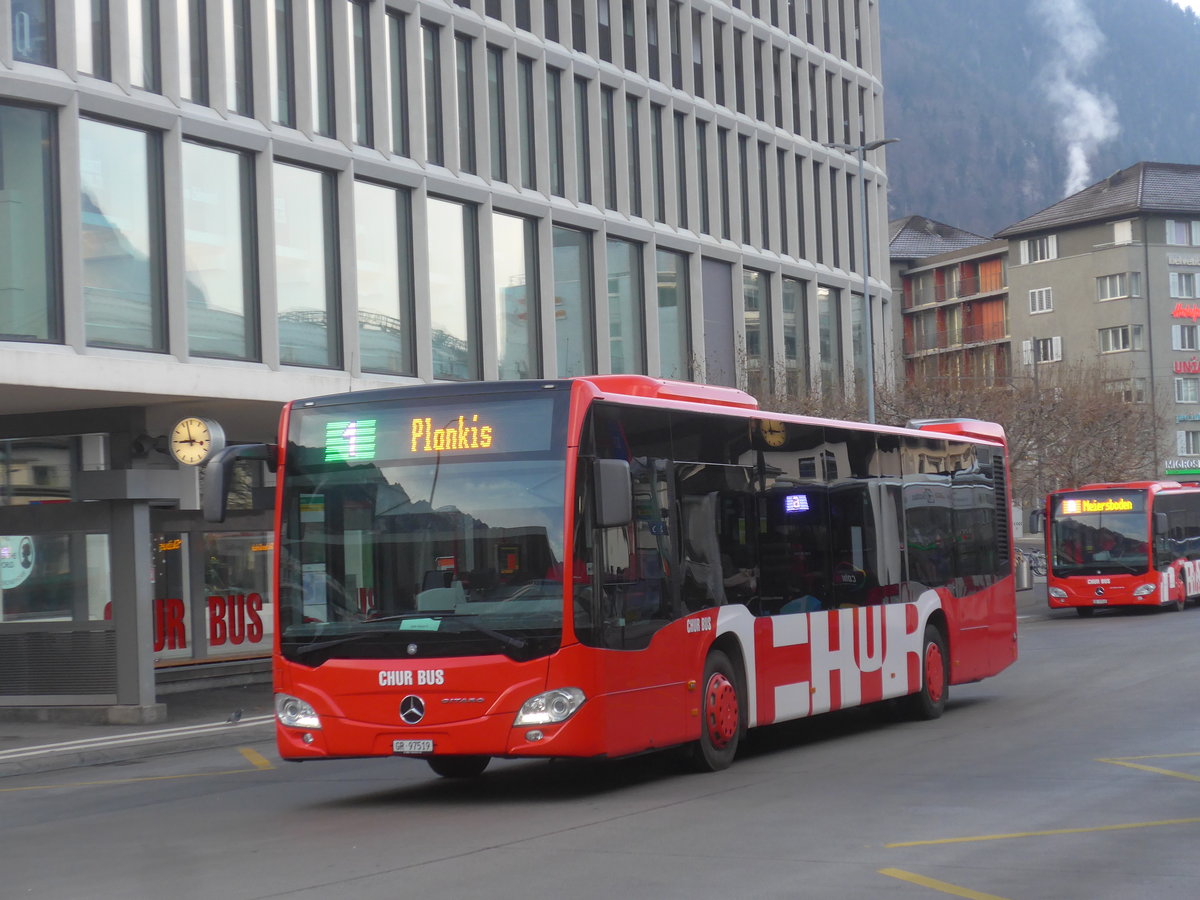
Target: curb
{"points": [[133, 746]]}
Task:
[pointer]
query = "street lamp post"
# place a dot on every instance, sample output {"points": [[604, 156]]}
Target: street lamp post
{"points": [[860, 150]]}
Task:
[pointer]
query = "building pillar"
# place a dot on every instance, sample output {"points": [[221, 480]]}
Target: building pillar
{"points": [[133, 614]]}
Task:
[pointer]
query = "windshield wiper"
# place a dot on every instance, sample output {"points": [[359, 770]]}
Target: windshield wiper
{"points": [[305, 649], [506, 639]]}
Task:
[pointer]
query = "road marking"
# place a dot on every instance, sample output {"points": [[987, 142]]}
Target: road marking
{"points": [[256, 759], [942, 886], [1054, 831], [260, 763], [1128, 762], [157, 734]]}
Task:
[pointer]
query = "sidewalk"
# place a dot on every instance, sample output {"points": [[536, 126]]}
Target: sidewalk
{"points": [[196, 720]]}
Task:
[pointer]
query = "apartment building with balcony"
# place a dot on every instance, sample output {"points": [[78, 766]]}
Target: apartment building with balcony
{"points": [[953, 309]]}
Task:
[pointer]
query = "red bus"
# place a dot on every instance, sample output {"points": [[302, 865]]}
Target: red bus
{"points": [[1128, 544], [608, 565]]}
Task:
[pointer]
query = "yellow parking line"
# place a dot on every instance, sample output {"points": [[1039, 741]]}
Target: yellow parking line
{"points": [[256, 759], [934, 884], [1152, 756], [1155, 769], [1055, 831]]}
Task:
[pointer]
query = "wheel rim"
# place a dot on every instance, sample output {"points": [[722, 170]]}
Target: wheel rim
{"points": [[935, 672], [721, 710]]}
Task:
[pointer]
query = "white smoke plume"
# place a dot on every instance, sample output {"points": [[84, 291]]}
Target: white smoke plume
{"points": [[1086, 119]]}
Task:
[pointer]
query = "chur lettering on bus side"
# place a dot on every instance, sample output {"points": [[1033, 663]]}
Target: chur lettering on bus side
{"points": [[463, 436], [832, 660]]}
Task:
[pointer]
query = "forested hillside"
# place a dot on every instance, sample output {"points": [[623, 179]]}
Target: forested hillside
{"points": [[989, 98]]}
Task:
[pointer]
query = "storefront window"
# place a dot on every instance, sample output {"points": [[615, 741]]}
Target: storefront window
{"points": [[28, 225], [231, 615], [54, 578], [36, 470]]}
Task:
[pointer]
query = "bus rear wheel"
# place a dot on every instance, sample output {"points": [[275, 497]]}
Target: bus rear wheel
{"points": [[459, 766], [721, 716], [930, 701]]}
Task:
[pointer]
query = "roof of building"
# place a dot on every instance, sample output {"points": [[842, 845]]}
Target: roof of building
{"points": [[1140, 188], [916, 237]]}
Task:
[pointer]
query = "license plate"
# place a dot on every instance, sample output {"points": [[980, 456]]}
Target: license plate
{"points": [[1100, 601], [412, 746]]}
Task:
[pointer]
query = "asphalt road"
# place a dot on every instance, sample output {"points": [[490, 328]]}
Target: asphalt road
{"points": [[1074, 774]]}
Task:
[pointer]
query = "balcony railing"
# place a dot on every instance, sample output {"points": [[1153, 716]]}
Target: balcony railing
{"points": [[955, 337]]}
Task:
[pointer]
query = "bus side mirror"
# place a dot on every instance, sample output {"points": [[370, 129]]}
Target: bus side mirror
{"points": [[614, 492], [218, 473], [1160, 524]]}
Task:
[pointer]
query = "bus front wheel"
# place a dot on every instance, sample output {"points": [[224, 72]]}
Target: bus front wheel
{"points": [[459, 766], [721, 716], [930, 701]]}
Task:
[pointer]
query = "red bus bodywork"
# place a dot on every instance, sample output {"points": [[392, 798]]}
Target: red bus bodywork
{"points": [[1152, 561], [789, 665]]}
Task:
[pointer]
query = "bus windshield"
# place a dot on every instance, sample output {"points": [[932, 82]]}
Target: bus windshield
{"points": [[1100, 532], [423, 529]]}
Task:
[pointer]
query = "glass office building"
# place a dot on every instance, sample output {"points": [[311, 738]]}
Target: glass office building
{"points": [[209, 207]]}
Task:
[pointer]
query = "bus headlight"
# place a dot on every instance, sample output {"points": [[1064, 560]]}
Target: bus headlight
{"points": [[1057, 593], [295, 713], [1143, 589], [551, 707]]}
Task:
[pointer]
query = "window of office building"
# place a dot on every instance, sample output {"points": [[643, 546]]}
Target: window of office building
{"points": [[218, 252], [583, 150], [681, 157], [398, 83], [633, 139], [515, 271], [383, 244], [360, 52], [29, 286], [496, 117], [92, 53], [674, 325], [320, 30], [550, 19], [466, 103], [554, 104], [121, 201], [282, 68], [1121, 337], [33, 31], [625, 307], [144, 64], [526, 122], [795, 338], [629, 27], [858, 341], [656, 163], [306, 267], [702, 175], [191, 18], [609, 145], [573, 302], [652, 37], [431, 38], [453, 246], [239, 92], [757, 305], [829, 339]]}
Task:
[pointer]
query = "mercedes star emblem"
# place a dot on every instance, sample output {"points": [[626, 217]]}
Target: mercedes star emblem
{"points": [[412, 709]]}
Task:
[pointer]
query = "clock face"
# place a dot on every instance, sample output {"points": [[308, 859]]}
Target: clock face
{"points": [[193, 440], [773, 432]]}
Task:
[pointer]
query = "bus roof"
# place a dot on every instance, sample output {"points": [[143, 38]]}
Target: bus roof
{"points": [[1151, 486]]}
